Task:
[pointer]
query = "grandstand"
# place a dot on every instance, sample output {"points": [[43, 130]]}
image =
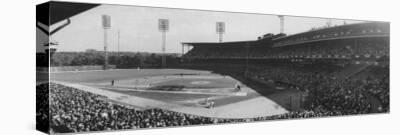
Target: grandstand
{"points": [[355, 42], [335, 66]]}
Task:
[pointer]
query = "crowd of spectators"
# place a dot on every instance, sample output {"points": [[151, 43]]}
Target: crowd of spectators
{"points": [[332, 50], [353, 95], [69, 109], [74, 110], [378, 84], [42, 107]]}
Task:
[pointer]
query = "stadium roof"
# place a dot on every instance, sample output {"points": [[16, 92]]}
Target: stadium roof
{"points": [[330, 28], [53, 12], [271, 43]]}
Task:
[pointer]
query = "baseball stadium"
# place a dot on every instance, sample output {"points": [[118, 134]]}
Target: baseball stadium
{"points": [[333, 70]]}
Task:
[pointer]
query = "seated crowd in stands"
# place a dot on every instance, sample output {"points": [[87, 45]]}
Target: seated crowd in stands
{"points": [[74, 110], [353, 95], [42, 107]]}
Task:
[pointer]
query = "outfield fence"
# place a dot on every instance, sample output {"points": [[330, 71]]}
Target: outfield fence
{"points": [[73, 68]]}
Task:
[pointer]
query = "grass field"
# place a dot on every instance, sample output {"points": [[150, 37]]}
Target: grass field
{"points": [[201, 83], [120, 74], [143, 88]]}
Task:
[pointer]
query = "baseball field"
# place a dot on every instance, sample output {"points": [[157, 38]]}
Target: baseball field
{"points": [[197, 92]]}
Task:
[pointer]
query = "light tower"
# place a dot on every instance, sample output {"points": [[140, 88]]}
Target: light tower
{"points": [[220, 28], [118, 56], [329, 22], [106, 19], [163, 27], [282, 23]]}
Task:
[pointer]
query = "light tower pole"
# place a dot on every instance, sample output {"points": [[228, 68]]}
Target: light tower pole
{"points": [[118, 57], [220, 28], [106, 19], [282, 23], [164, 60], [329, 22], [163, 26]]}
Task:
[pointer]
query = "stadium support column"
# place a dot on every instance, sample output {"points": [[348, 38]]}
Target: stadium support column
{"points": [[220, 37], [183, 48], [247, 60], [183, 51]]}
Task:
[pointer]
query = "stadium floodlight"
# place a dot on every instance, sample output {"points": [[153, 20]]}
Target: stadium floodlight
{"points": [[220, 28], [106, 21], [163, 27]]}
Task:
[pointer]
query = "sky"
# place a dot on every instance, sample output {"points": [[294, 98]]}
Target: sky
{"points": [[138, 27]]}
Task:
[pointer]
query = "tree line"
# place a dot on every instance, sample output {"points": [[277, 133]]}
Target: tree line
{"points": [[119, 59]]}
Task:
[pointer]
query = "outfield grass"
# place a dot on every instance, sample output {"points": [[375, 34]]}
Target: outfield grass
{"points": [[120, 74], [211, 81], [205, 83]]}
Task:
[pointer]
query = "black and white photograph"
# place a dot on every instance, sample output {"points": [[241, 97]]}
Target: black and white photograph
{"points": [[108, 68]]}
